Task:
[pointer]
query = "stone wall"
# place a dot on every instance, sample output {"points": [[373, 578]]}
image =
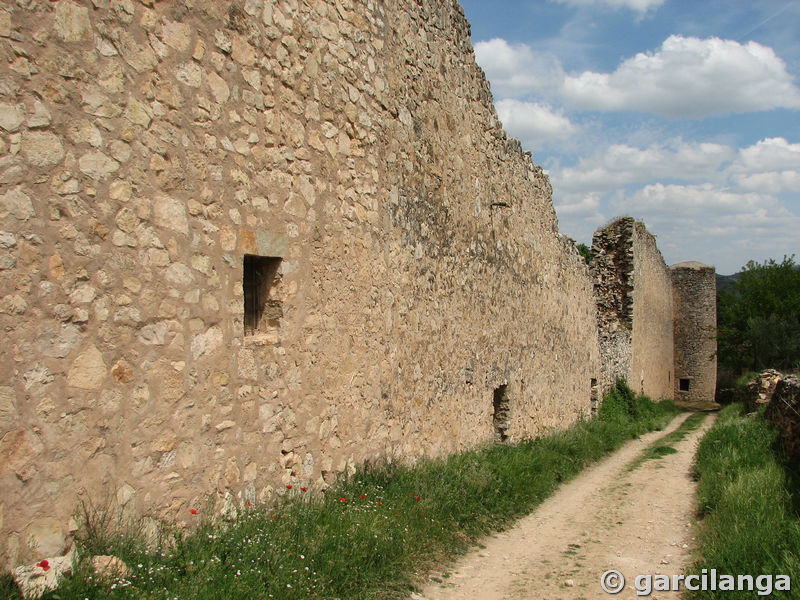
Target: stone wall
{"points": [[760, 390], [612, 267], [633, 290], [695, 295], [410, 259], [652, 372], [783, 411]]}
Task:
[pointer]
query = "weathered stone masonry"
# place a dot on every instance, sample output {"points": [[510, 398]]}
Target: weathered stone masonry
{"points": [[652, 372], [410, 260], [613, 266], [695, 292], [245, 244], [656, 324]]}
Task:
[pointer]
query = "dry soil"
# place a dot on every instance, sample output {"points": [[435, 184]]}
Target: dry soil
{"points": [[610, 517]]}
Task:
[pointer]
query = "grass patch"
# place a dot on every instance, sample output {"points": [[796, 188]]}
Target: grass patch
{"points": [[664, 446], [372, 536], [660, 451], [748, 497]]}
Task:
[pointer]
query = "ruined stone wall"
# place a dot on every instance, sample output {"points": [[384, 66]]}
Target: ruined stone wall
{"points": [[613, 268], [695, 295], [783, 411], [633, 289], [652, 371], [411, 260]]}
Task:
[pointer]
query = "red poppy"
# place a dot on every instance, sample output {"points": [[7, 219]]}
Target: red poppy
{"points": [[193, 511], [44, 565], [418, 498], [288, 487], [272, 517], [249, 504], [363, 496], [342, 499], [380, 503], [411, 495], [303, 489]]}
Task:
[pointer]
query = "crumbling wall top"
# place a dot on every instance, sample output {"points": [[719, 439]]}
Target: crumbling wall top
{"points": [[691, 264]]}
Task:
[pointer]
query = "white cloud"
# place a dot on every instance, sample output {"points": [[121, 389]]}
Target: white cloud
{"points": [[704, 201], [689, 77], [772, 166], [694, 200], [771, 154], [775, 182], [713, 224], [533, 123], [517, 70], [579, 214], [640, 6], [685, 77], [588, 205], [621, 164]]}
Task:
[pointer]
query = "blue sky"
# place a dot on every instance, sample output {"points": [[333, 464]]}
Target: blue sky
{"points": [[684, 114]]}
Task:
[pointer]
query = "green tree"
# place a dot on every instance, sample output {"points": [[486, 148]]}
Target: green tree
{"points": [[759, 317], [586, 252]]}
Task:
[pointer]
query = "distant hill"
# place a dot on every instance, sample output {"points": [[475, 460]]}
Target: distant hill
{"points": [[726, 281]]}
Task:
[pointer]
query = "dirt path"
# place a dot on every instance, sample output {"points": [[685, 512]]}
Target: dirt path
{"points": [[637, 522]]}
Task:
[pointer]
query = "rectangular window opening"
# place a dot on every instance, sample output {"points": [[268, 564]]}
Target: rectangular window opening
{"points": [[501, 413], [684, 384], [260, 280]]}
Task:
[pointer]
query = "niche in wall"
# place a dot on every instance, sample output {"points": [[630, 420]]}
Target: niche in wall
{"points": [[500, 415], [262, 310]]}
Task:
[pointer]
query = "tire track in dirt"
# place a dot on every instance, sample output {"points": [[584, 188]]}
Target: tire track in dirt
{"points": [[638, 522]]}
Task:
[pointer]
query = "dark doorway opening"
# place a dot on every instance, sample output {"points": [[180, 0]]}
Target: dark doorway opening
{"points": [[684, 384]]}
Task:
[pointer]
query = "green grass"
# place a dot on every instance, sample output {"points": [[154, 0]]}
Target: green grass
{"points": [[748, 497], [745, 378], [664, 446], [394, 524]]}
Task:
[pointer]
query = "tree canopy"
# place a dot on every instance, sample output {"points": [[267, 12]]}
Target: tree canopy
{"points": [[586, 252], [759, 317]]}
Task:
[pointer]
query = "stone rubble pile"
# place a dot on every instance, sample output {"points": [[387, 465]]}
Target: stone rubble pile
{"points": [[761, 389], [783, 411]]}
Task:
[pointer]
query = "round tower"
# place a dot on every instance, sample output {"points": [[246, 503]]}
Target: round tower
{"points": [[694, 291]]}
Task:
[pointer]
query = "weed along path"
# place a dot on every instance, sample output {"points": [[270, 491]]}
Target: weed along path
{"points": [[632, 512]]}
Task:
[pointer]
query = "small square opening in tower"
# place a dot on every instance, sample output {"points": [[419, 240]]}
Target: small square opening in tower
{"points": [[684, 384], [262, 310]]}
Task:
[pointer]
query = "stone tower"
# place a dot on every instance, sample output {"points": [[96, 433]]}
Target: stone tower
{"points": [[694, 296]]}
